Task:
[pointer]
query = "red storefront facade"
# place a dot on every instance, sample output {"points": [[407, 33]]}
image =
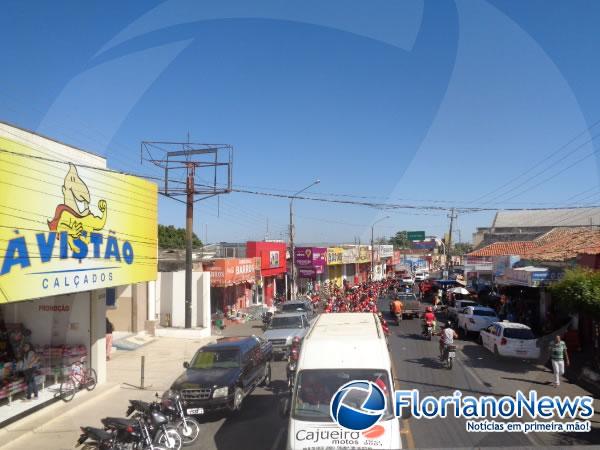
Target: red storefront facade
{"points": [[273, 266], [231, 282]]}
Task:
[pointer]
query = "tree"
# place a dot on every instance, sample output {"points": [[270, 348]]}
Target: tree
{"points": [[171, 237], [461, 248], [579, 291], [400, 240]]}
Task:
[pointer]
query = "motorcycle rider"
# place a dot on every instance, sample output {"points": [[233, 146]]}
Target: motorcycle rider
{"points": [[446, 338], [428, 319], [396, 308]]}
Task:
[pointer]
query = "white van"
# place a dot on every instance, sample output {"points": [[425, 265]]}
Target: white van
{"points": [[340, 348]]}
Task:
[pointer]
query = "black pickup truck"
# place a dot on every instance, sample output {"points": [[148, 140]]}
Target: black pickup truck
{"points": [[222, 374]]}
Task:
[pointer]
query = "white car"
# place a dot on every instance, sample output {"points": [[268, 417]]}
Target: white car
{"points": [[473, 319], [407, 280], [510, 339], [459, 305], [421, 276]]}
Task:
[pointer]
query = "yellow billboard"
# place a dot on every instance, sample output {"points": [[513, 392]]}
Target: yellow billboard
{"points": [[334, 255], [66, 227]]}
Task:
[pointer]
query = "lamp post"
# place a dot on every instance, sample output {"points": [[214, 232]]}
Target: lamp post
{"points": [[292, 248], [440, 242], [372, 249]]}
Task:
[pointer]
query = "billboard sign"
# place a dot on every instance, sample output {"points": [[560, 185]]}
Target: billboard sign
{"points": [[415, 235], [66, 228]]}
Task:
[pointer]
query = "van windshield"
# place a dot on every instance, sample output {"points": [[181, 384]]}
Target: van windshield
{"points": [[315, 389]]}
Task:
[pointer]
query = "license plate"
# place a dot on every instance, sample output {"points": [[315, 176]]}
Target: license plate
{"points": [[521, 352], [451, 354], [195, 411]]}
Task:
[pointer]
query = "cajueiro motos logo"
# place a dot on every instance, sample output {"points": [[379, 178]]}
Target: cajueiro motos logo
{"points": [[367, 414]]}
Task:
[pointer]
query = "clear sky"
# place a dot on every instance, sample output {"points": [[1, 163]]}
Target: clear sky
{"points": [[462, 103]]}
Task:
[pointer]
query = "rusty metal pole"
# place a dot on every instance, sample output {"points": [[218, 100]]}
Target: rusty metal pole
{"points": [[189, 225]]}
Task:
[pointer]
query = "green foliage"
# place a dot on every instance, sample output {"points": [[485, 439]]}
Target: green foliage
{"points": [[171, 237], [579, 291], [461, 248], [400, 240]]}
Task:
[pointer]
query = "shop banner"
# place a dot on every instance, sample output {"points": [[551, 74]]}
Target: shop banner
{"points": [[384, 250], [231, 271], [334, 256], [349, 256], [66, 228], [364, 254], [313, 258]]}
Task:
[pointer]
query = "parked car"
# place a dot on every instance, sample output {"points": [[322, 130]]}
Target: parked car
{"points": [[282, 330], [510, 339], [421, 275], [459, 305], [473, 319], [221, 375], [298, 306]]}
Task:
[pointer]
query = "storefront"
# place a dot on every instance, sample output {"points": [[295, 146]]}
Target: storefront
{"points": [[310, 265], [81, 230], [349, 258], [478, 270], [364, 263], [381, 255], [232, 283], [334, 268], [272, 267]]}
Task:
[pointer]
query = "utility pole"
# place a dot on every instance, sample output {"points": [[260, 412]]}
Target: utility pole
{"points": [[372, 248], [292, 247], [189, 157], [452, 216]]}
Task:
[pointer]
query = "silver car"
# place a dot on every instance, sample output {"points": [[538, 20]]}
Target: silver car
{"points": [[283, 329]]}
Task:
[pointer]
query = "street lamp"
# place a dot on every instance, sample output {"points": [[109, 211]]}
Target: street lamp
{"points": [[372, 249], [293, 287]]}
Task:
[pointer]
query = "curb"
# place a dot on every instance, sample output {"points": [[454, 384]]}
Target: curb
{"points": [[54, 411]]}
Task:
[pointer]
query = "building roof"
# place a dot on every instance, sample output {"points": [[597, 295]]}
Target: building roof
{"points": [[571, 217], [504, 248], [562, 244]]}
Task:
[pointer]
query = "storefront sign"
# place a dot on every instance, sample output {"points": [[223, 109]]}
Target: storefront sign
{"points": [[532, 277], [67, 228], [230, 271], [384, 251], [364, 254], [335, 256], [425, 245], [273, 258], [350, 255], [311, 259], [502, 263]]}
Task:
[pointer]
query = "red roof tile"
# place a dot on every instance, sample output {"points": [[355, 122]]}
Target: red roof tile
{"points": [[562, 244], [504, 248]]}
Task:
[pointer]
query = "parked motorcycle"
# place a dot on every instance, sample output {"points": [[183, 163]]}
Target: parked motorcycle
{"points": [[149, 427], [96, 438], [186, 426], [266, 319]]}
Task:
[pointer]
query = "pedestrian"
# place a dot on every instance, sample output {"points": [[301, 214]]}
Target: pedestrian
{"points": [[109, 331], [31, 363], [560, 358]]}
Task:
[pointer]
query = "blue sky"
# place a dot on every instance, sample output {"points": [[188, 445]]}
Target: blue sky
{"points": [[423, 103]]}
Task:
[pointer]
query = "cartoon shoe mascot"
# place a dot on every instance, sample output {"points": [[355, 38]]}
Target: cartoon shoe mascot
{"points": [[74, 216]]}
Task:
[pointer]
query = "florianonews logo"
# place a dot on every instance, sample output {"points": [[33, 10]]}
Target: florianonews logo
{"points": [[358, 405]]}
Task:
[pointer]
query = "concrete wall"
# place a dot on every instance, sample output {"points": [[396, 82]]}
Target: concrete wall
{"points": [[139, 308], [170, 295], [121, 314]]}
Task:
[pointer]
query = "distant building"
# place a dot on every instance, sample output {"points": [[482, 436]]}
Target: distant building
{"points": [[530, 224]]}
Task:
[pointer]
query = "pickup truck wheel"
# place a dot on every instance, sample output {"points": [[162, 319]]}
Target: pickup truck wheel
{"points": [[267, 378], [238, 397], [480, 340]]}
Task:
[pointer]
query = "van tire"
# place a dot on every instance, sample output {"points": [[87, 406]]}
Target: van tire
{"points": [[266, 382]]}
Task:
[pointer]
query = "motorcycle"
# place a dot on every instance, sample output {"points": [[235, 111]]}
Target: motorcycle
{"points": [[149, 427], [449, 355], [428, 331], [96, 438], [293, 362], [186, 426], [398, 317], [266, 319]]}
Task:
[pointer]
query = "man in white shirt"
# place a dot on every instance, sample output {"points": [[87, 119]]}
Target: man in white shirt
{"points": [[447, 337]]}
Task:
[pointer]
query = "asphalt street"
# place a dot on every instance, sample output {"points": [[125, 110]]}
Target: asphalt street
{"points": [[476, 372]]}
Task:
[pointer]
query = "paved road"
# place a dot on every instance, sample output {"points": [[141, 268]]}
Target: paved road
{"points": [[476, 372]]}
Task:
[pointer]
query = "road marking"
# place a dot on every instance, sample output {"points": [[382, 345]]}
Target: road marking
{"points": [[407, 433]]}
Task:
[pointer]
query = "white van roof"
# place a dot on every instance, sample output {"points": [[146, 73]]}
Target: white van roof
{"points": [[345, 341]]}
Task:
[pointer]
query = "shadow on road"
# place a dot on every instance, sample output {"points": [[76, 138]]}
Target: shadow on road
{"points": [[478, 357], [429, 362], [527, 380]]}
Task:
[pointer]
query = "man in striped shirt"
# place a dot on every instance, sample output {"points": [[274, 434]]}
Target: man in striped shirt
{"points": [[560, 357]]}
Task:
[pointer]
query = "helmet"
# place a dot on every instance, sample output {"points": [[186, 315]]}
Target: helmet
{"points": [[429, 309]]}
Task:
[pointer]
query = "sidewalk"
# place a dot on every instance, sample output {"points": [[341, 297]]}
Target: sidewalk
{"points": [[57, 426]]}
